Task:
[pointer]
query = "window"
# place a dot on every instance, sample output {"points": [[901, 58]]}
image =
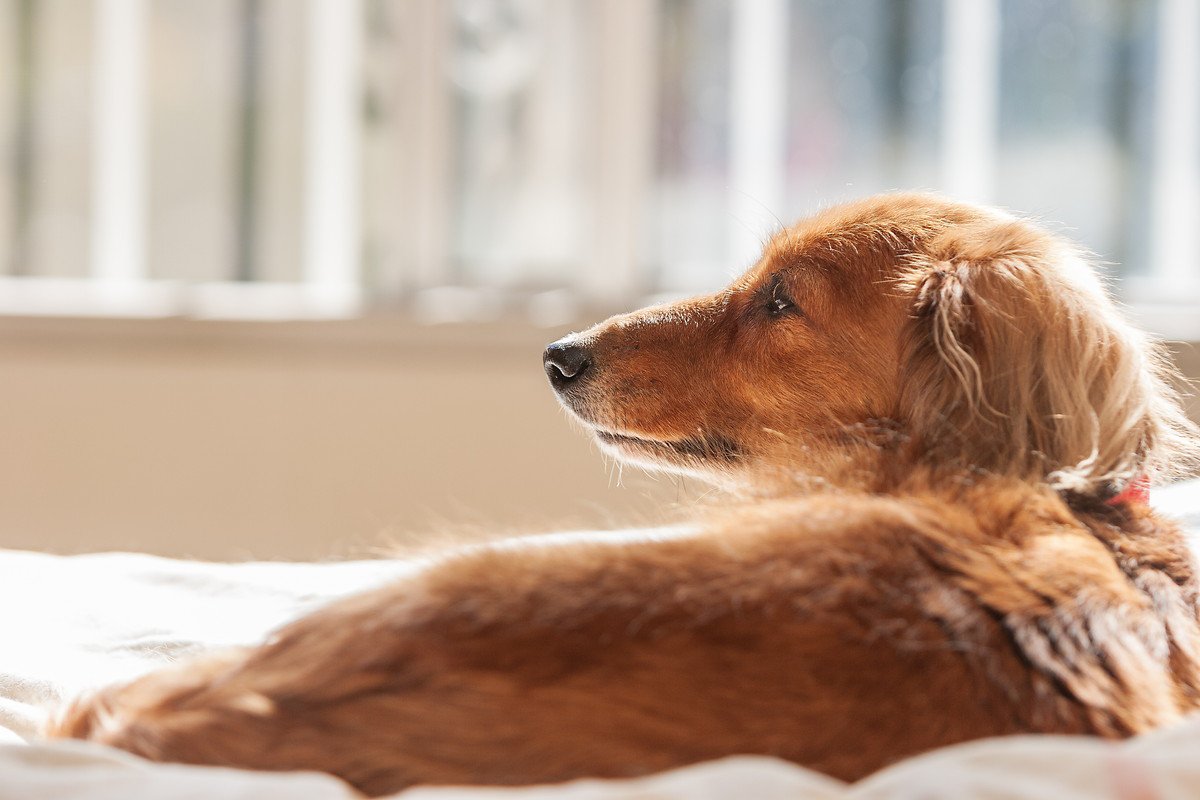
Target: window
{"points": [[270, 158]]}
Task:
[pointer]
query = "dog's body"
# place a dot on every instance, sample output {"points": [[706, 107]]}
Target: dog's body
{"points": [[928, 410]]}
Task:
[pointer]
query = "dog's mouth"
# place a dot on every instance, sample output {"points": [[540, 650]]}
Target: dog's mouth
{"points": [[698, 448]]}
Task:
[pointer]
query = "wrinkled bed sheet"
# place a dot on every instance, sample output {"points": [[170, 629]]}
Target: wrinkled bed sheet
{"points": [[70, 623]]}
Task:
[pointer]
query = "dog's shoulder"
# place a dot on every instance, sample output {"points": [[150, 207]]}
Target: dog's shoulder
{"points": [[1102, 603]]}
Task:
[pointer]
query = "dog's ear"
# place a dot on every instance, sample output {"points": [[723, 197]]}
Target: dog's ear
{"points": [[1014, 360]]}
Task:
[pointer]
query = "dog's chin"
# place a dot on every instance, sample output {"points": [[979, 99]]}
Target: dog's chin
{"points": [[709, 457]]}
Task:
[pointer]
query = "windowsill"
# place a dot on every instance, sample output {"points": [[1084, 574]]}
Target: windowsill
{"points": [[449, 318], [297, 312]]}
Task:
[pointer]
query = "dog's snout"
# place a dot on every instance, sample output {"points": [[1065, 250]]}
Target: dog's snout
{"points": [[566, 362]]}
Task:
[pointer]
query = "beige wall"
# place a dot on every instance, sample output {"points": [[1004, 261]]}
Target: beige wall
{"points": [[1187, 356], [296, 440], [292, 440]]}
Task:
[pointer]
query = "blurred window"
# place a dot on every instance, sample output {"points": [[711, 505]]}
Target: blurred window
{"points": [[519, 74], [274, 158], [688, 203], [1076, 109]]}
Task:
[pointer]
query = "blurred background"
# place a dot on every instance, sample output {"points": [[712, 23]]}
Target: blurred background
{"points": [[275, 275]]}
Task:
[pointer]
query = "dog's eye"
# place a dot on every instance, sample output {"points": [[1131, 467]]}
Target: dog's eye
{"points": [[776, 301], [779, 305]]}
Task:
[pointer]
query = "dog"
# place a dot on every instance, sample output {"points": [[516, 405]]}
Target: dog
{"points": [[933, 425]]}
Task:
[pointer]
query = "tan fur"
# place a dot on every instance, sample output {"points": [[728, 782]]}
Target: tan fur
{"points": [[922, 554]]}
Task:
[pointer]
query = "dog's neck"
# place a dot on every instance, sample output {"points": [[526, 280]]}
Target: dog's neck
{"points": [[878, 456]]}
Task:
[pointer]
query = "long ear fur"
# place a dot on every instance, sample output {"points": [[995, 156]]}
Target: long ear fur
{"points": [[1016, 361]]}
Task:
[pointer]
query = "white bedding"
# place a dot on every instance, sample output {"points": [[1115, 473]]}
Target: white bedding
{"points": [[70, 623]]}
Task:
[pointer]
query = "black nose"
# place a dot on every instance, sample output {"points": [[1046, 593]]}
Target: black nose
{"points": [[565, 362]]}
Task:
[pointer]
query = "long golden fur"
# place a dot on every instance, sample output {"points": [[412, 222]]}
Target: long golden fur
{"points": [[926, 410]]}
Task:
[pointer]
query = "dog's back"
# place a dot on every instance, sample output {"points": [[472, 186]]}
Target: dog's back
{"points": [[840, 631]]}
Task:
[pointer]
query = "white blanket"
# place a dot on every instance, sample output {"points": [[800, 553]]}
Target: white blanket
{"points": [[70, 623], [75, 622]]}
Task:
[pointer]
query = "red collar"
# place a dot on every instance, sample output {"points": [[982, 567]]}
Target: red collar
{"points": [[1136, 491]]}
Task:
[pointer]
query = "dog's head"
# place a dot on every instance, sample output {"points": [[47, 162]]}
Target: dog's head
{"points": [[936, 332]]}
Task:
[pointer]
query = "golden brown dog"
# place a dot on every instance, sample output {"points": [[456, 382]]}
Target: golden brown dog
{"points": [[931, 413]]}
